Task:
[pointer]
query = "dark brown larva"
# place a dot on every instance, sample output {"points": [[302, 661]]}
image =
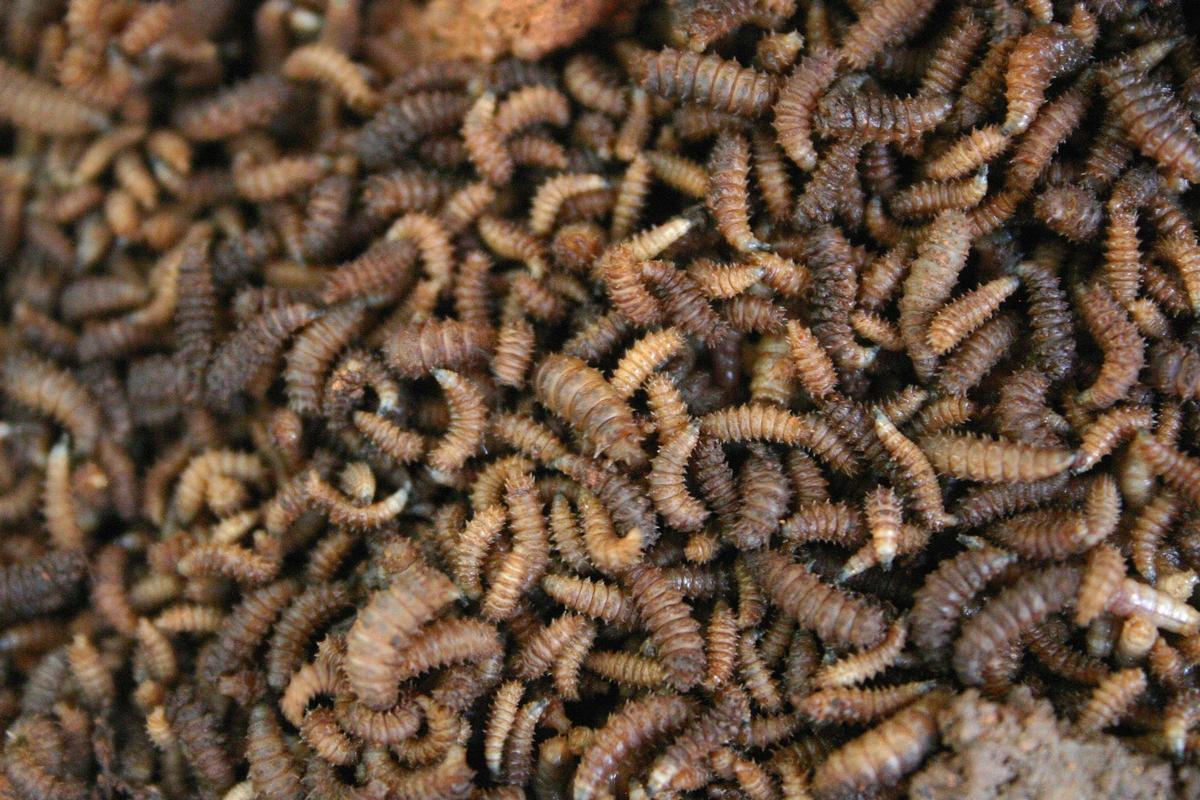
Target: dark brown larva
{"points": [[708, 79], [673, 629]]}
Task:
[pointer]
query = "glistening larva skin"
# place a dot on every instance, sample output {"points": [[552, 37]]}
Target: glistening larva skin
{"points": [[395, 406]]}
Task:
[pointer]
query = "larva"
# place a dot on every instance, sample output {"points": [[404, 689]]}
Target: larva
{"points": [[324, 64], [916, 469], [273, 770], [884, 754], [508, 241], [554, 192], [203, 741], [968, 153], [1155, 121], [313, 353], [300, 621], [528, 106], [1111, 698], [957, 319], [588, 80], [1070, 211], [1118, 337], [1026, 603], [673, 629], [727, 196], [683, 302], [709, 79], [764, 495], [644, 357], [992, 460], [523, 566], [858, 705], [680, 173], [468, 421], [797, 102], [245, 627], [878, 117], [884, 515], [1108, 430], [635, 725], [542, 649], [43, 387], [771, 175], [592, 598], [390, 619], [941, 255], [1149, 527], [826, 191], [953, 56], [418, 348], [833, 615], [860, 667], [1052, 337], [1046, 52], [251, 348], [401, 123], [579, 394], [666, 482], [947, 591], [879, 26], [1054, 122]]}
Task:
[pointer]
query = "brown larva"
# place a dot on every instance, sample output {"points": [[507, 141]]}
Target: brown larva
{"points": [[954, 321], [861, 667], [1003, 619], [544, 647], [797, 101], [389, 619], [636, 127], [968, 153], [1070, 211], [823, 521], [1156, 122], [884, 754], [916, 471], [401, 123], [1054, 123], [468, 421], [666, 482], [940, 602], [418, 348], [1111, 698], [644, 357], [858, 705], [979, 353], [485, 144], [835, 616], [43, 387], [1183, 253], [940, 257], [580, 395], [673, 629], [826, 191], [955, 51], [929, 197], [727, 196], [992, 460], [523, 566], [879, 26], [324, 64], [303, 618], [1118, 337], [680, 173], [633, 726], [554, 192], [877, 117], [709, 79], [274, 772], [528, 106], [592, 598], [884, 514], [723, 281], [508, 240], [1038, 57], [589, 81], [251, 348]]}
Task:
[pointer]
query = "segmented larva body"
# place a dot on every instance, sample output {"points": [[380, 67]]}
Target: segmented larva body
{"points": [[827, 192], [877, 117], [1149, 527], [274, 772], [400, 124], [418, 348], [1052, 335], [968, 153], [884, 754], [879, 25], [1108, 430], [251, 348], [29, 103], [43, 387], [797, 102], [1111, 698], [811, 363], [635, 725], [313, 353], [884, 515], [1155, 121], [485, 145], [728, 190], [1053, 124], [553, 192], [833, 615], [941, 255], [245, 628], [771, 175], [756, 422], [824, 521], [579, 394], [388, 621], [1028, 602], [1123, 346], [468, 421], [722, 84], [590, 82], [861, 667], [667, 485], [592, 598], [1038, 57], [992, 460], [531, 105], [917, 472], [939, 603], [1070, 211], [645, 356], [673, 629], [328, 66], [959, 318], [850, 705]]}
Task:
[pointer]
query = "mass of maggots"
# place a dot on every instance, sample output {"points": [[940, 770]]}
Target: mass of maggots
{"points": [[692, 412]]}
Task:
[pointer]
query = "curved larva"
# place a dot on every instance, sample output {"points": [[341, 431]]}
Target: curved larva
{"points": [[1052, 335], [728, 190], [1038, 57], [58, 500], [968, 153], [709, 79], [553, 192], [917, 472], [1150, 525], [468, 422], [947, 591], [500, 720], [388, 621], [632, 727], [526, 435], [1177, 470], [679, 172], [277, 179], [797, 101], [531, 105], [992, 460], [43, 387], [251, 348], [1026, 603], [879, 25], [485, 144], [312, 354], [579, 394], [643, 357], [1118, 337], [524, 565], [274, 772], [34, 105], [328, 66], [540, 651], [1155, 121], [191, 488], [723, 281], [957, 319], [884, 754], [589, 81], [1111, 698], [667, 486], [244, 629], [861, 667], [1109, 430], [941, 255], [673, 630], [235, 109], [835, 616], [309, 612], [404, 446]]}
